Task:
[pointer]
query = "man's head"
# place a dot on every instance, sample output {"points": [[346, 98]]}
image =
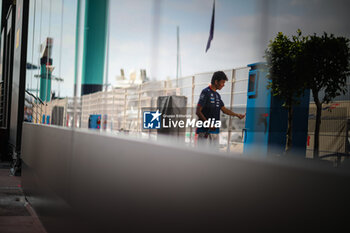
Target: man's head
{"points": [[218, 80]]}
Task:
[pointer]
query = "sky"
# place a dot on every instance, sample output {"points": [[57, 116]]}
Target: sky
{"points": [[143, 33], [131, 44]]}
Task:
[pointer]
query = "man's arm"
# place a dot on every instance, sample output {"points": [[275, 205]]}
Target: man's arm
{"points": [[199, 113], [230, 113]]}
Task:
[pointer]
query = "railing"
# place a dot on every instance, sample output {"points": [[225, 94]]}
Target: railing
{"points": [[33, 108]]}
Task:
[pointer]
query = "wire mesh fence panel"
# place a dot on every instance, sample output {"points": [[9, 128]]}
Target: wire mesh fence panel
{"points": [[334, 131], [122, 109]]}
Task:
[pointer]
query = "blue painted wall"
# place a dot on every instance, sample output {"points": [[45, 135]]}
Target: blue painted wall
{"points": [[266, 119]]}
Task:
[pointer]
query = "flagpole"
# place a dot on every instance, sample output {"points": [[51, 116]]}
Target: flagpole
{"points": [[177, 56]]}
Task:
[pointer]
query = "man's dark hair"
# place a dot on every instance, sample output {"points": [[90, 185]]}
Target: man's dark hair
{"points": [[218, 75]]}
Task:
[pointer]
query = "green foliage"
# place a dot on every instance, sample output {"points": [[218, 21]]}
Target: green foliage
{"points": [[319, 63], [313, 62], [325, 65], [283, 58]]}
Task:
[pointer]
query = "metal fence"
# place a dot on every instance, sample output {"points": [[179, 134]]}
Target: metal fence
{"points": [[121, 109], [334, 137], [70, 117]]}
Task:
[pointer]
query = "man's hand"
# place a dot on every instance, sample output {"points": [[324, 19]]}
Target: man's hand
{"points": [[211, 129], [240, 116], [230, 113]]}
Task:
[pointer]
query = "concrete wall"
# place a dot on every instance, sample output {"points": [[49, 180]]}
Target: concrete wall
{"points": [[82, 181]]}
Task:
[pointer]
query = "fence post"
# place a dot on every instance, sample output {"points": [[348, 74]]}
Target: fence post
{"points": [[165, 93], [233, 80], [124, 118], [139, 108], [192, 105], [113, 111]]}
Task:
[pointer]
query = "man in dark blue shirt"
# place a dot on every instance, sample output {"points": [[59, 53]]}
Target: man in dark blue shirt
{"points": [[209, 106]]}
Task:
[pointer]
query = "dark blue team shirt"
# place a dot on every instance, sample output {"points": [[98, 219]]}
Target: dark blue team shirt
{"points": [[211, 104]]}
